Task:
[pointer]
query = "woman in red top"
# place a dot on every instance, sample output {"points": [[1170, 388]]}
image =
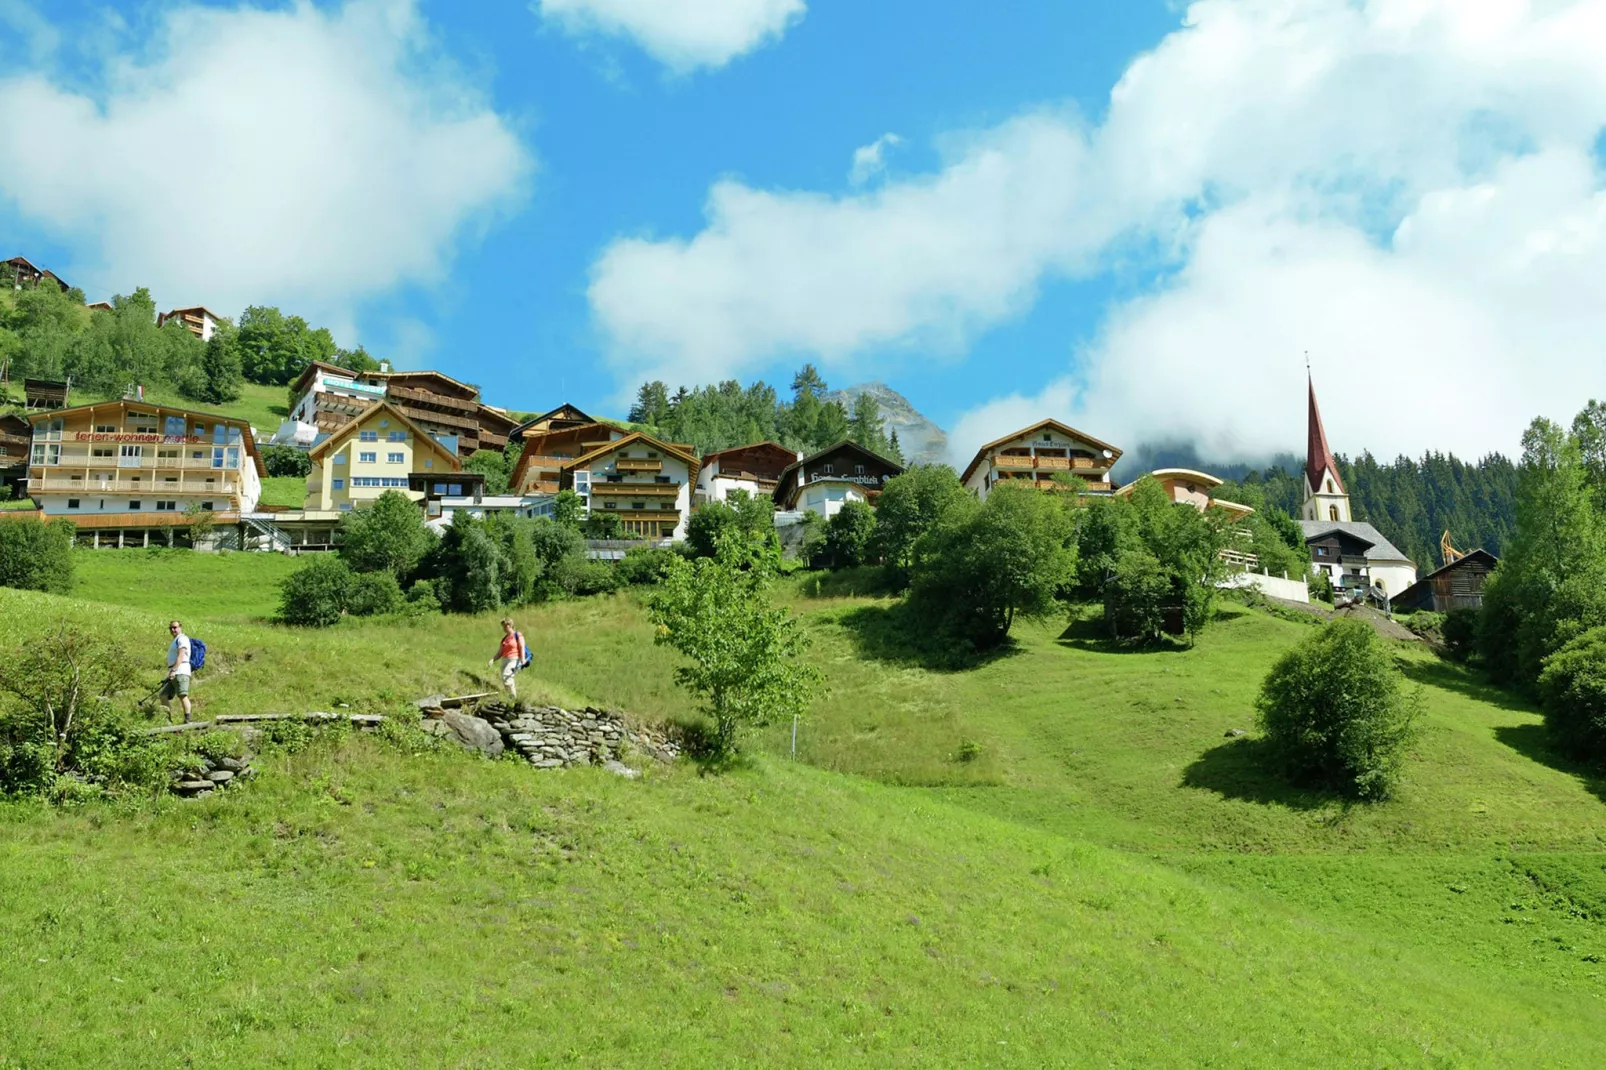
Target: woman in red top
{"points": [[511, 654]]}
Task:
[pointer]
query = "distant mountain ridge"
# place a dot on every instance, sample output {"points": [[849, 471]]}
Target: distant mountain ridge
{"points": [[922, 441]]}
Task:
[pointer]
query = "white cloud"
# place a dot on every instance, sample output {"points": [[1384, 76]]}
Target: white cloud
{"points": [[869, 161], [681, 34], [1405, 188], [297, 156]]}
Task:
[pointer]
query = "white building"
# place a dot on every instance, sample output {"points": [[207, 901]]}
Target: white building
{"points": [[1036, 454], [823, 482], [647, 484], [198, 321], [754, 468]]}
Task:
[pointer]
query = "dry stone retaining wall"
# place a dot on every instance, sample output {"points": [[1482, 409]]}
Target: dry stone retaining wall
{"points": [[549, 737]]}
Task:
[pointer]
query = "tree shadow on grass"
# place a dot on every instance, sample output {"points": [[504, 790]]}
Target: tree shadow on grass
{"points": [[890, 634], [280, 410], [1451, 677], [1241, 769], [1533, 742], [1087, 633]]}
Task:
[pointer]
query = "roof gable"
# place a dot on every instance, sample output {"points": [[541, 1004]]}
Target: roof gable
{"points": [[565, 411], [1318, 457], [1065, 429], [351, 427], [636, 436]]}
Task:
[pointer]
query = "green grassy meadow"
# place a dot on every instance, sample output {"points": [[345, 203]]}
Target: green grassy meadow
{"points": [[1109, 880], [265, 407]]}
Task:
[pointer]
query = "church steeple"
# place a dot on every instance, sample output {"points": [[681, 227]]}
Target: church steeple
{"points": [[1325, 497]]}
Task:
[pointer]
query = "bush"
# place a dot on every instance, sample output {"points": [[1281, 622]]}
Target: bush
{"points": [[850, 536], [646, 566], [316, 595], [62, 732], [373, 594], [752, 517], [1460, 632], [286, 461], [388, 535], [423, 597], [579, 577], [469, 564], [35, 556], [1135, 597], [1335, 713], [1572, 692]]}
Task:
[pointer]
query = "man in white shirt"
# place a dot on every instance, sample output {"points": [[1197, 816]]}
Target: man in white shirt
{"points": [[177, 684]]}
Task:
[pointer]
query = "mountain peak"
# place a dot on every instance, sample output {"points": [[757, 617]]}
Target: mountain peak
{"points": [[921, 440]]}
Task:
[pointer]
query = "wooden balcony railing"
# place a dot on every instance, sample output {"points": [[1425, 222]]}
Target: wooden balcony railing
{"points": [[431, 400], [1010, 460], [638, 464], [636, 490], [150, 488], [434, 416], [1081, 463], [1057, 463]]}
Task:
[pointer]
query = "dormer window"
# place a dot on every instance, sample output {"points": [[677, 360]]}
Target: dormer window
{"points": [[829, 469], [858, 469]]}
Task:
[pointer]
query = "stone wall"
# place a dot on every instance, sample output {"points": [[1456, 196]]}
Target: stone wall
{"points": [[549, 737]]}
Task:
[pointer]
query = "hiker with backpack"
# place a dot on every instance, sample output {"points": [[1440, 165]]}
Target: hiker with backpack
{"points": [[180, 655], [513, 655]]}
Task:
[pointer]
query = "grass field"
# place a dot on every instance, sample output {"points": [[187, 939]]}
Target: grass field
{"points": [[1109, 881]]}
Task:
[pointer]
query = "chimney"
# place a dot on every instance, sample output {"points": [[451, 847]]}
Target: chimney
{"points": [[384, 366]]}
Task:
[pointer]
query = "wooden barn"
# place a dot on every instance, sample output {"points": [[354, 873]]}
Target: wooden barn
{"points": [[1458, 585]]}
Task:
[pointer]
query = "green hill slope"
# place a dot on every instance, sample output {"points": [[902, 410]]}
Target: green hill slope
{"points": [[1112, 881]]}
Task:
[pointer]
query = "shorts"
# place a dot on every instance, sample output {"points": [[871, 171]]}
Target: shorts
{"points": [[509, 667], [176, 687]]}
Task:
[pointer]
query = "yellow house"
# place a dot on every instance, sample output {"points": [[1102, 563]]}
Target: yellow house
{"points": [[373, 453]]}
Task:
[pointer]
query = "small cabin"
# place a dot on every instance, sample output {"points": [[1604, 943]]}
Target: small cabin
{"points": [[1458, 585]]}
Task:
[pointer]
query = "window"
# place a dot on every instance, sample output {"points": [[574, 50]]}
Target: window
{"points": [[217, 458], [5, 451], [429, 464], [638, 506], [200, 431], [1321, 551], [457, 488], [47, 453], [340, 458], [440, 488], [345, 507], [234, 457], [858, 469], [667, 505], [167, 455], [384, 423], [173, 427], [166, 507], [397, 436], [133, 506], [367, 457], [72, 503], [652, 454], [829, 469], [368, 436], [170, 479], [206, 506], [610, 505], [1332, 512], [611, 478], [660, 479], [337, 484], [196, 455], [396, 458], [1048, 436], [103, 451], [105, 429]]}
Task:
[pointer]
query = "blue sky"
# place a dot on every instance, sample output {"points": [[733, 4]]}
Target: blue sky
{"points": [[1133, 216]]}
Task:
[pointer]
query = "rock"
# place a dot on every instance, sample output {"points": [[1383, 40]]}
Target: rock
{"points": [[621, 769], [1234, 733], [188, 786], [549, 763], [233, 765], [474, 733], [430, 702], [436, 727], [220, 776]]}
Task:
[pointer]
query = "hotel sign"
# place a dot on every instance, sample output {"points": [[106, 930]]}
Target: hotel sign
{"points": [[863, 481], [148, 439]]}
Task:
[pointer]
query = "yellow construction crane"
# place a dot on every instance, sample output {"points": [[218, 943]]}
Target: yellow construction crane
{"points": [[1450, 552]]}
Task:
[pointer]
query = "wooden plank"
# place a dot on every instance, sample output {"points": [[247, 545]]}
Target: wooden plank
{"points": [[176, 729]]}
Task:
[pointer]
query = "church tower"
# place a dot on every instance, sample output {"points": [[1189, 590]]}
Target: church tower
{"points": [[1325, 497]]}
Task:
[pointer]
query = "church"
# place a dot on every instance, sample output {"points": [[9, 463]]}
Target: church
{"points": [[1354, 554]]}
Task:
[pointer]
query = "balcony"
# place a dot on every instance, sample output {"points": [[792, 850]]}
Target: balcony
{"points": [[1083, 464], [439, 402], [1058, 464], [638, 464], [432, 416], [1013, 460], [150, 488], [635, 490]]}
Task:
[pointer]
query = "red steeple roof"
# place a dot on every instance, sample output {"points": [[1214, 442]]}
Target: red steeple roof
{"points": [[1318, 458]]}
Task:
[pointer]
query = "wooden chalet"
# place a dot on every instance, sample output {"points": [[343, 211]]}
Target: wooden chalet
{"points": [[546, 452], [1458, 585], [20, 273], [562, 418], [16, 441], [825, 481], [755, 468], [199, 321], [328, 397], [646, 483], [1037, 454], [43, 395]]}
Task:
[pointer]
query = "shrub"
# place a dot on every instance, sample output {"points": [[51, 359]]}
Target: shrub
{"points": [[1335, 713], [35, 556], [1460, 632], [603, 526], [579, 577], [752, 517], [470, 565], [373, 594], [315, 596], [423, 597], [645, 566], [910, 505], [1572, 692], [286, 461], [60, 720], [850, 536]]}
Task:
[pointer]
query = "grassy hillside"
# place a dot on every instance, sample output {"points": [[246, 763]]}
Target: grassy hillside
{"points": [[1110, 880]]}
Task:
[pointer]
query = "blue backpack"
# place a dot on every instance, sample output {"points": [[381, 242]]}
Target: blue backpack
{"points": [[525, 664], [197, 654]]}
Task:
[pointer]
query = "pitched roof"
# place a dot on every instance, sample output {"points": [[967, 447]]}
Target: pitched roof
{"points": [[426, 374], [532, 421], [635, 436], [351, 427], [194, 308], [1471, 557], [766, 444], [1379, 548], [1318, 458], [1064, 429], [846, 442]]}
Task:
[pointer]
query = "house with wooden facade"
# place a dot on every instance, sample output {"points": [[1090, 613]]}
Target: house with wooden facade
{"points": [[381, 450], [22, 274], [1037, 455], [546, 452], [45, 395], [199, 321], [16, 443], [563, 418], [328, 397], [1457, 585], [825, 481], [755, 468], [126, 471], [647, 484]]}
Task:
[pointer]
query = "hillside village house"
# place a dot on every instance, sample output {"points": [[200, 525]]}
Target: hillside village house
{"points": [[124, 471], [1037, 454], [1457, 585], [22, 274], [826, 481], [328, 397], [563, 418], [16, 443], [647, 484], [198, 321], [1354, 554], [1188, 487], [547, 450], [755, 468], [378, 451], [41, 395]]}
